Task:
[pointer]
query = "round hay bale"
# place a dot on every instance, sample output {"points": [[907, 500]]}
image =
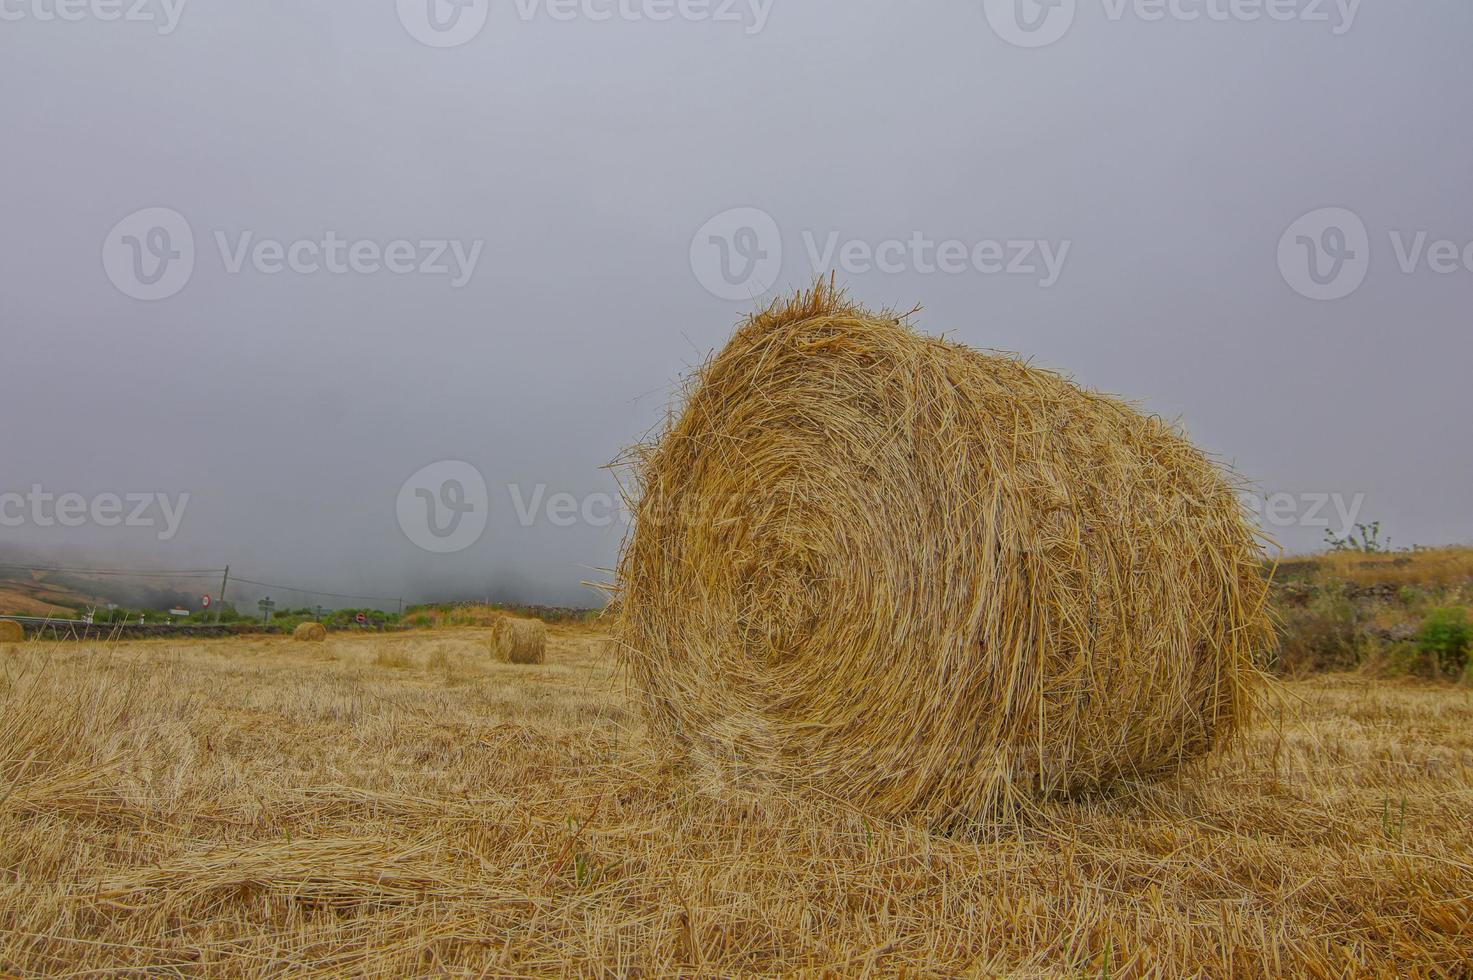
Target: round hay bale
{"points": [[310, 633], [11, 631], [519, 641], [929, 581]]}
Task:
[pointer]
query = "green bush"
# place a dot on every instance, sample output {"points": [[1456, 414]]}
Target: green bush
{"points": [[1446, 636]]}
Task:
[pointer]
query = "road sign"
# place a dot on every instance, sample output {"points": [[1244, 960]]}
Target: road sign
{"points": [[204, 601], [361, 618]]}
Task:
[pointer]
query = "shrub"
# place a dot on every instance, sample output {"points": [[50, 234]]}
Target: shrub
{"points": [[1446, 636], [1323, 634]]}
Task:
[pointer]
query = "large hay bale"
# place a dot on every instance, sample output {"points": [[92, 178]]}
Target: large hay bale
{"points": [[11, 631], [310, 633], [930, 581], [519, 641]]}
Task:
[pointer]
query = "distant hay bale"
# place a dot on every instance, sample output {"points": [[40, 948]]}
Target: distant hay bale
{"points": [[519, 641], [11, 631], [310, 633], [930, 581]]}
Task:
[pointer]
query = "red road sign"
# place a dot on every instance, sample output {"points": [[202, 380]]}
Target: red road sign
{"points": [[362, 618], [204, 601]]}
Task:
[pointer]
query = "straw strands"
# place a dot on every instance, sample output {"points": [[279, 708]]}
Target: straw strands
{"points": [[929, 581]]}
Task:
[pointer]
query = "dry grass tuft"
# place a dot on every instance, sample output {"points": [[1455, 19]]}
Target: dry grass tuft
{"points": [[11, 631], [1429, 567], [393, 655], [519, 641], [930, 581], [310, 633]]}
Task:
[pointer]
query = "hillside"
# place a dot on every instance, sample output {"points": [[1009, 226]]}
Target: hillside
{"points": [[1392, 613], [29, 593]]}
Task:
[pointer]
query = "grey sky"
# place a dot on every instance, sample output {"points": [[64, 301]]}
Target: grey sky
{"points": [[584, 154]]}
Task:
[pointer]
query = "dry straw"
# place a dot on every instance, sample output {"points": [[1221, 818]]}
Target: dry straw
{"points": [[310, 633], [928, 581], [11, 631], [519, 641]]}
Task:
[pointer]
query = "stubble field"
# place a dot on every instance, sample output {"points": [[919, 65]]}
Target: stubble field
{"points": [[403, 805]]}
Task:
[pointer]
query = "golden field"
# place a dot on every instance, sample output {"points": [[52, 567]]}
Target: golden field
{"points": [[404, 805]]}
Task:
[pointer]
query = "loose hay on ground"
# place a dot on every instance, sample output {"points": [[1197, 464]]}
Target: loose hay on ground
{"points": [[242, 807], [930, 581]]}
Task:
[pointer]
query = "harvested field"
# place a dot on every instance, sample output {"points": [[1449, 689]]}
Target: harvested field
{"points": [[397, 805]]}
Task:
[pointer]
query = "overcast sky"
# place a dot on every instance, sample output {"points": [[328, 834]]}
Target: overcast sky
{"points": [[282, 257]]}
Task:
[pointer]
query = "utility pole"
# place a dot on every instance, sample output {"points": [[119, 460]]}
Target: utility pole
{"points": [[223, 582]]}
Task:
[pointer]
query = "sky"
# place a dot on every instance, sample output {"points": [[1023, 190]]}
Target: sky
{"points": [[364, 296]]}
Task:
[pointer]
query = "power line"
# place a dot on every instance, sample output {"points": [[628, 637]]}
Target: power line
{"points": [[329, 595]]}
